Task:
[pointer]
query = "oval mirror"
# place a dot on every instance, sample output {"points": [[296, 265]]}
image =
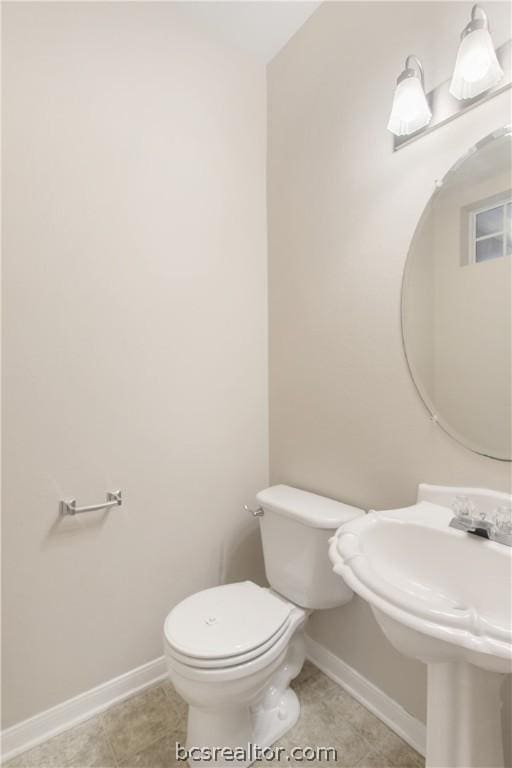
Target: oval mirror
{"points": [[456, 300]]}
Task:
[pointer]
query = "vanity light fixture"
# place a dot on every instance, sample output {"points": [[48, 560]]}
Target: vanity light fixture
{"points": [[480, 74], [477, 68], [410, 110]]}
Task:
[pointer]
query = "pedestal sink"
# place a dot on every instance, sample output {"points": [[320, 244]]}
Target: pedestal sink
{"points": [[445, 597]]}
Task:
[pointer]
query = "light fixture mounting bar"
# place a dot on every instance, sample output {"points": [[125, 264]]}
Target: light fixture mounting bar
{"points": [[446, 107]]}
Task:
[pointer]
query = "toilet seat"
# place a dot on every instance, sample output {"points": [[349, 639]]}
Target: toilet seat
{"points": [[234, 670], [226, 626], [229, 661]]}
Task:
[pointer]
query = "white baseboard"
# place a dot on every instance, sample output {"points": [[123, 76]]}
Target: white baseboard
{"points": [[37, 729], [53, 721], [410, 729]]}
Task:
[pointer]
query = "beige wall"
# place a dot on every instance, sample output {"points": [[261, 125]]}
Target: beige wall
{"points": [[135, 333], [346, 420]]}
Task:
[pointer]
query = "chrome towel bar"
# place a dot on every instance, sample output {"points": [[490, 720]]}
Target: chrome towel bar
{"points": [[69, 507]]}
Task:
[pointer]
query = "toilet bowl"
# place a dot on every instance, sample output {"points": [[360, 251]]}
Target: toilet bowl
{"points": [[238, 695], [232, 650]]}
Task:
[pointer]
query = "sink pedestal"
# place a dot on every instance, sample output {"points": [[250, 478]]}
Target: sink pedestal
{"points": [[463, 717]]}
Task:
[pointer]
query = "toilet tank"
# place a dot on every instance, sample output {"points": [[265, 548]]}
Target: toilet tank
{"points": [[295, 529]]}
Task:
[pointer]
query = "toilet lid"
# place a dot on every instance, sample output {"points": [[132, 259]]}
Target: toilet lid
{"points": [[226, 621]]}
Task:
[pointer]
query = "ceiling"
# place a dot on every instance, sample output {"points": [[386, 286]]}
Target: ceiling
{"points": [[259, 27]]}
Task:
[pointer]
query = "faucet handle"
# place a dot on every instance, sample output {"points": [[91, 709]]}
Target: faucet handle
{"points": [[503, 520], [463, 508]]}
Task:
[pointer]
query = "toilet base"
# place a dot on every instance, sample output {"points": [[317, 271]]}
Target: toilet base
{"points": [[267, 726], [250, 728], [272, 724]]}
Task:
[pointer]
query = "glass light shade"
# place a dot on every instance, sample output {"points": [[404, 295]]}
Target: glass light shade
{"points": [[410, 110], [477, 68]]}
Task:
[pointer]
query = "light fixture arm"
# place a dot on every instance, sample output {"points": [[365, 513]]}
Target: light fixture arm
{"points": [[476, 22], [413, 68]]}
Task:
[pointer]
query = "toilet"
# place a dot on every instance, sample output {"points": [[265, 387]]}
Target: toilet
{"points": [[232, 650]]}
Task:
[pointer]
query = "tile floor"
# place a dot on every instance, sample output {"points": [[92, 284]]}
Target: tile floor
{"points": [[141, 732]]}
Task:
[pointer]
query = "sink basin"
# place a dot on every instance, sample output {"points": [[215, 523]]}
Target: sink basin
{"points": [[442, 596], [412, 567]]}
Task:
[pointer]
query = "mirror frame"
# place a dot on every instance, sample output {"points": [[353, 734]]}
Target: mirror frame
{"points": [[506, 130]]}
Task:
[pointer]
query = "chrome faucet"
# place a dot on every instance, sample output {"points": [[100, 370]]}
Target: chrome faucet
{"points": [[497, 527]]}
